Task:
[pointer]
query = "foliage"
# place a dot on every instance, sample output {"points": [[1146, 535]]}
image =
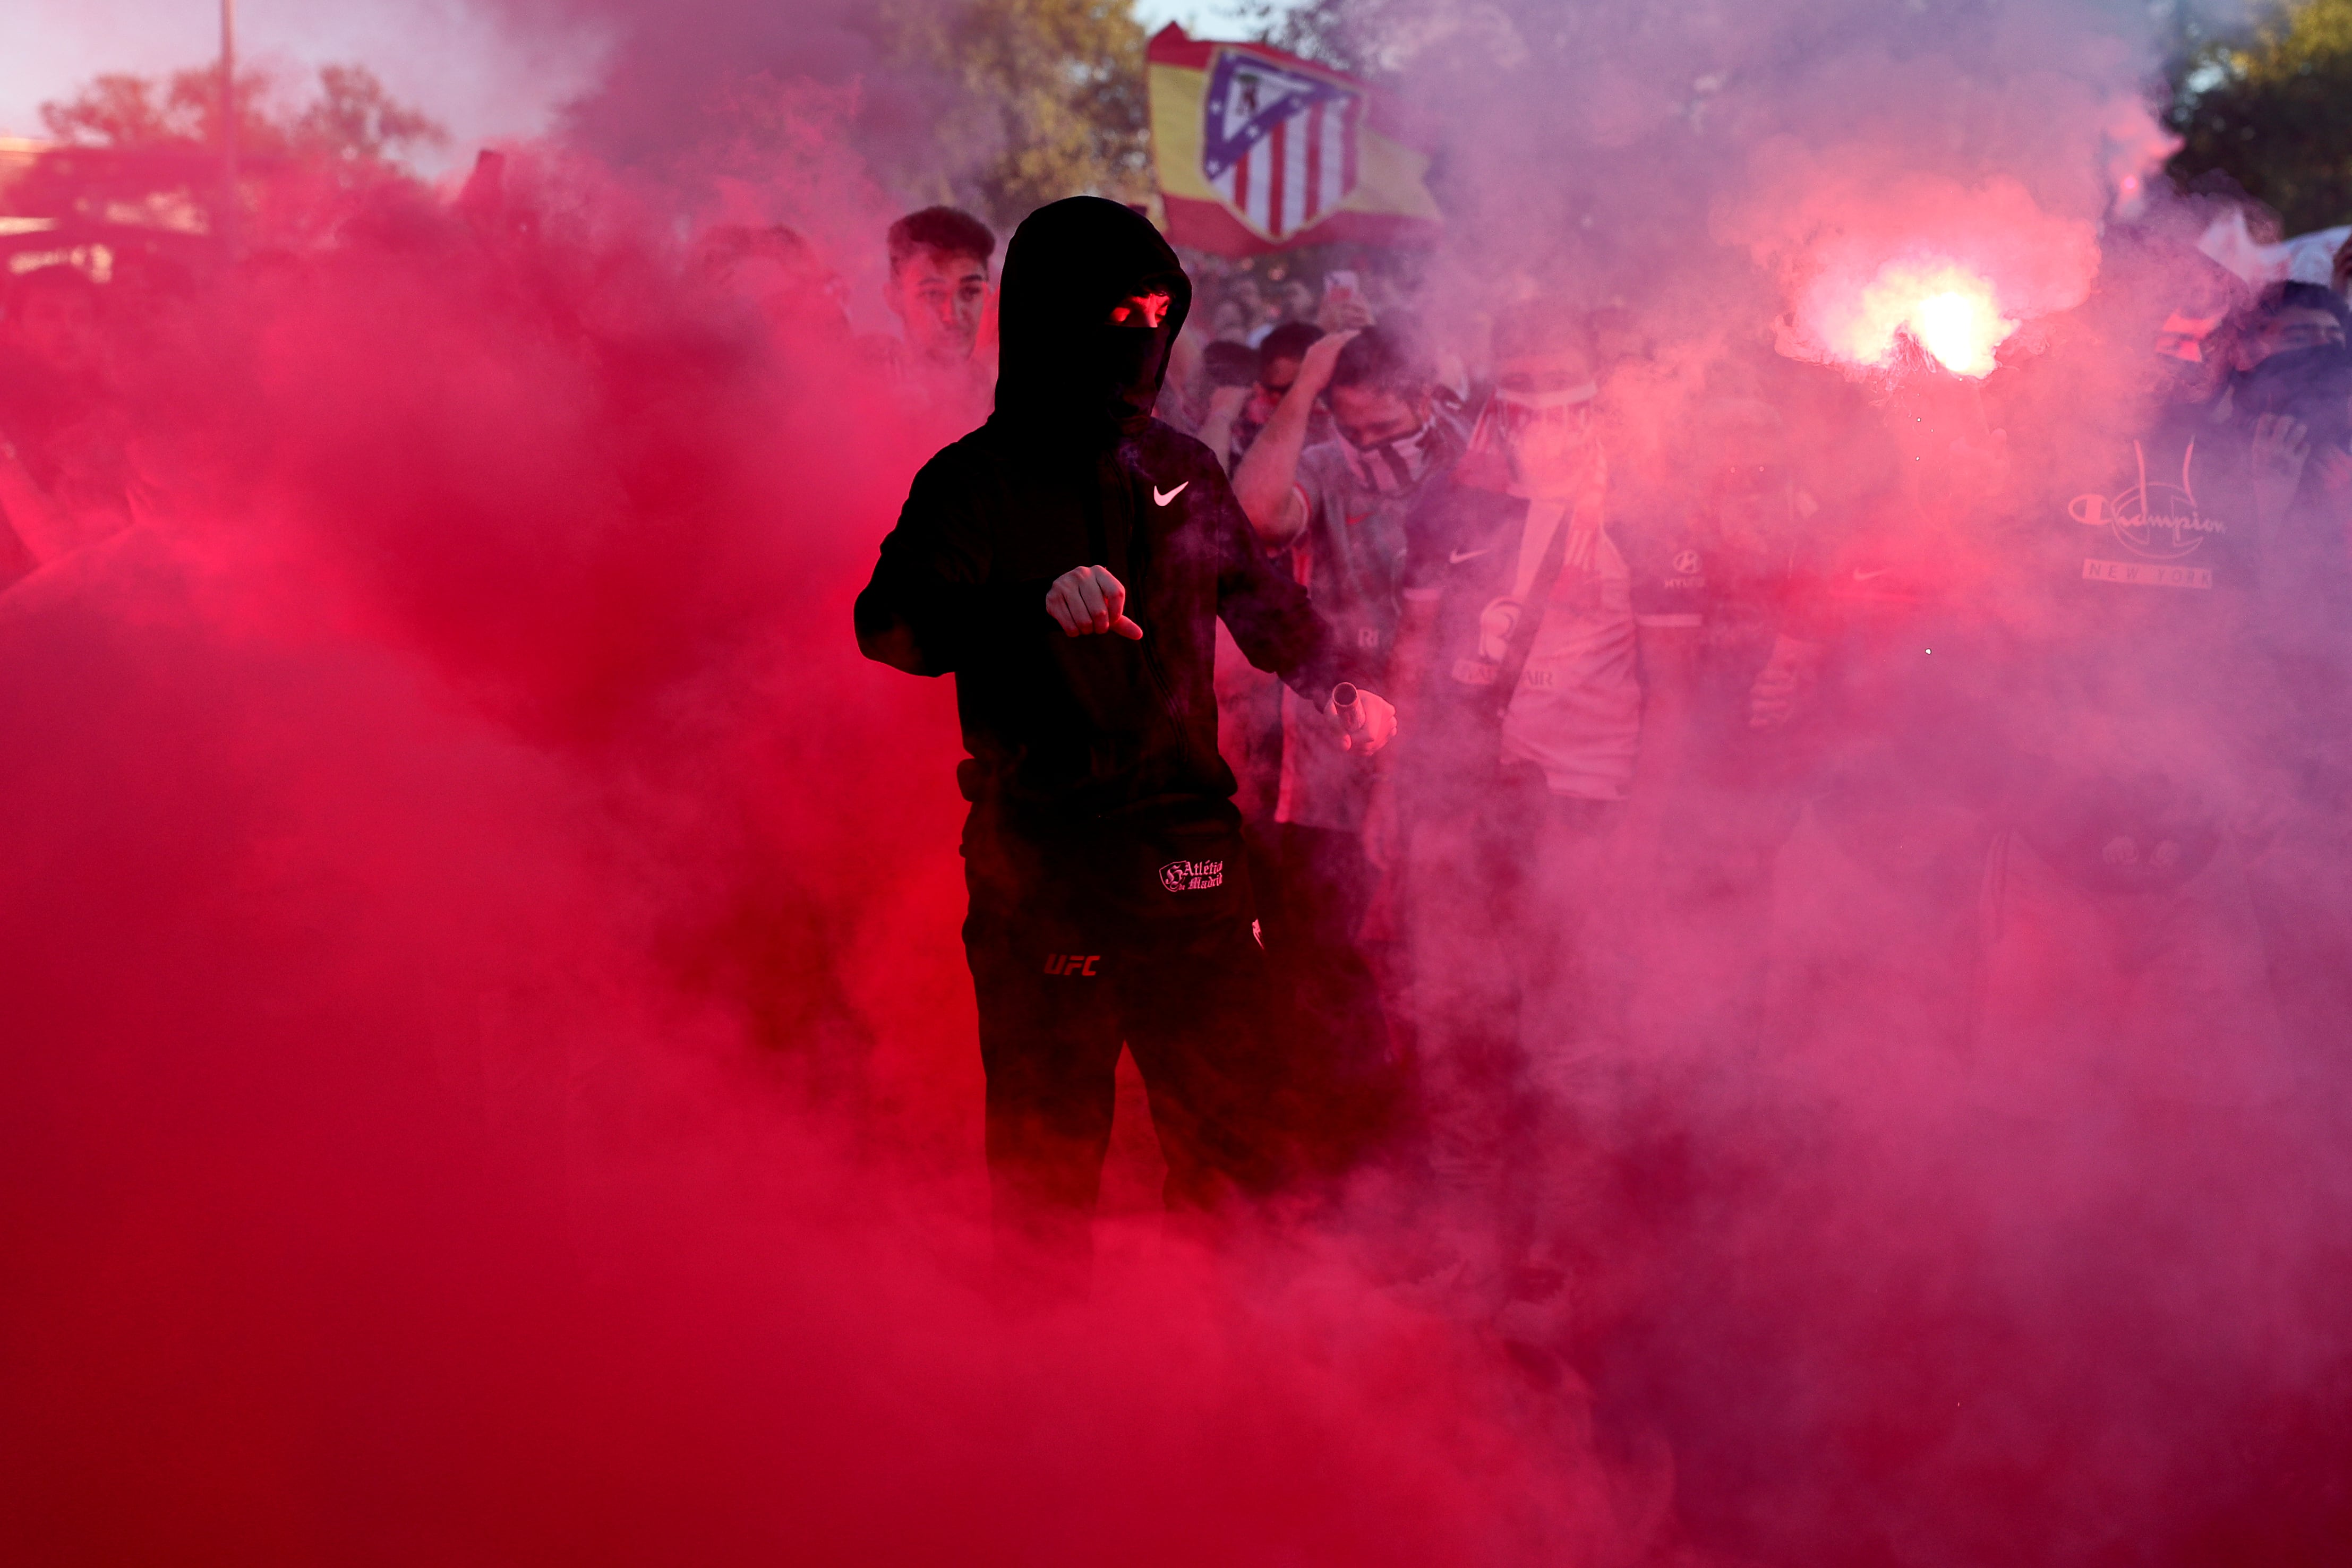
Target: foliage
{"points": [[352, 120], [1045, 97], [1352, 36], [2268, 108]]}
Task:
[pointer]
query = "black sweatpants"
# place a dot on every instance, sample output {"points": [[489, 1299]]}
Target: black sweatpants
{"points": [[1133, 929]]}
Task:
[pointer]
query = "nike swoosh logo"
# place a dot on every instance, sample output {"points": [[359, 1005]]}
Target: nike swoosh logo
{"points": [[1459, 557], [1866, 576], [1161, 498]]}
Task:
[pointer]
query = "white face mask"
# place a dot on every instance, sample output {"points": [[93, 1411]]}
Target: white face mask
{"points": [[1392, 466], [1547, 435]]}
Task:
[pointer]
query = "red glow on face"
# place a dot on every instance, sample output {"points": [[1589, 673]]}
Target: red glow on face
{"points": [[1951, 312], [1141, 309]]}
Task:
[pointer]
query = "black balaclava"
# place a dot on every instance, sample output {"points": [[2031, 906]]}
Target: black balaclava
{"points": [[2297, 381], [2291, 376], [1065, 374]]}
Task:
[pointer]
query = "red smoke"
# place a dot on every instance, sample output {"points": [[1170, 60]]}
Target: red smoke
{"points": [[491, 1076]]}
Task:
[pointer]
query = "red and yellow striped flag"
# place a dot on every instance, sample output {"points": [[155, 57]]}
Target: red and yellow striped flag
{"points": [[1259, 150]]}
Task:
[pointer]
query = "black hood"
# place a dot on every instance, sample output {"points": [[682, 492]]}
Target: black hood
{"points": [[1063, 370]]}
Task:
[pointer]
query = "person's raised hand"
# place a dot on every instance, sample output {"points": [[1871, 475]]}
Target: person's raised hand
{"points": [[1344, 312], [1087, 599], [1228, 400], [2281, 446], [1320, 360]]}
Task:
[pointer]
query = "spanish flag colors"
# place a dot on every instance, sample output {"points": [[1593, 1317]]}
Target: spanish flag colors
{"points": [[1259, 150]]}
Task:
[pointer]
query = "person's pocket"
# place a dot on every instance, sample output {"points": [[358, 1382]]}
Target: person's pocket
{"points": [[1186, 869]]}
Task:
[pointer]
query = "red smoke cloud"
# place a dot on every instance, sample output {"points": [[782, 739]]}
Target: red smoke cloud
{"points": [[1865, 251], [491, 1076]]}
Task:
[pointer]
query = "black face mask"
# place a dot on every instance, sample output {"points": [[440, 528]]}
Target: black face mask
{"points": [[1067, 374], [2286, 379], [1130, 362], [2311, 385]]}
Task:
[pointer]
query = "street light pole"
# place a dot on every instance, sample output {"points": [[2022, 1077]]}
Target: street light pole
{"points": [[229, 213]]}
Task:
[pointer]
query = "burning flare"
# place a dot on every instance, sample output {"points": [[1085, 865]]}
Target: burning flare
{"points": [[1951, 313]]}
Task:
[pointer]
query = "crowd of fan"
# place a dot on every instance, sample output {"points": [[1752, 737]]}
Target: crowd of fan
{"points": [[1985, 741], [1962, 733]]}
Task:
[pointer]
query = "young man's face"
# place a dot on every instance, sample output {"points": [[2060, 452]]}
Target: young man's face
{"points": [[2300, 326], [1546, 414], [2193, 356], [1750, 487], [1274, 380], [938, 298], [1366, 416]]}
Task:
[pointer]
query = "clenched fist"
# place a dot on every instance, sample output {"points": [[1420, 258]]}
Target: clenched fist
{"points": [[1086, 599]]}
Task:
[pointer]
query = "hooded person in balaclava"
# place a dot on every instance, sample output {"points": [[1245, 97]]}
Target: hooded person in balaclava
{"points": [[2120, 955], [1067, 562]]}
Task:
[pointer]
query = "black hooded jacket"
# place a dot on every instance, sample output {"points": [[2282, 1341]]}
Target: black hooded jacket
{"points": [[1072, 470]]}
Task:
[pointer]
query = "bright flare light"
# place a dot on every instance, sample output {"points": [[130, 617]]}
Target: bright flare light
{"points": [[1947, 311]]}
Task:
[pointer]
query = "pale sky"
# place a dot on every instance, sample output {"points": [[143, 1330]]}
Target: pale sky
{"points": [[1202, 18], [479, 78], [444, 55]]}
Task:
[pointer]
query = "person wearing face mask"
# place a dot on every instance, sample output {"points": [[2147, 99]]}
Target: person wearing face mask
{"points": [[1545, 655], [2295, 324], [1336, 508], [1237, 414], [2123, 954], [1067, 562], [2305, 628]]}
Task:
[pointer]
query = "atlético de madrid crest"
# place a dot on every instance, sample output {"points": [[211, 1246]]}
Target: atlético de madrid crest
{"points": [[1259, 150], [1192, 876], [1279, 145]]}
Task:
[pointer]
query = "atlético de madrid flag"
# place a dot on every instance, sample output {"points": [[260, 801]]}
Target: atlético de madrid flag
{"points": [[1259, 150]]}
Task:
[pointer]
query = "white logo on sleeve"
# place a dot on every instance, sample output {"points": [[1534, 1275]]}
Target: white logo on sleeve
{"points": [[1192, 876], [1161, 498], [1456, 557]]}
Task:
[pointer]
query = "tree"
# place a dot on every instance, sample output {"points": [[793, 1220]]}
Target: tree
{"points": [[1352, 36], [2268, 108], [1050, 93], [352, 121]]}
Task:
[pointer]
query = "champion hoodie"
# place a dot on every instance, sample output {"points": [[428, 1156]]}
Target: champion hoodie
{"points": [[1072, 470]]}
